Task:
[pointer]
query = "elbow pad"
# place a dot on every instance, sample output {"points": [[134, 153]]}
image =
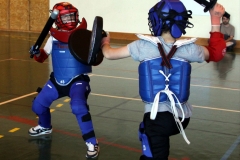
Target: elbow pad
{"points": [[216, 47], [41, 58]]}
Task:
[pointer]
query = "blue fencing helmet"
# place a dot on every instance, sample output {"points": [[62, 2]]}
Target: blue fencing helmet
{"points": [[171, 13]]}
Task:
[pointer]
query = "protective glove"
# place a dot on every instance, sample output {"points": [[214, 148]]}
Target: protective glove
{"points": [[105, 40], [216, 13], [33, 51]]}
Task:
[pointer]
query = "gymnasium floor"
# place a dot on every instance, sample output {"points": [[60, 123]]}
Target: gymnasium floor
{"points": [[116, 108]]}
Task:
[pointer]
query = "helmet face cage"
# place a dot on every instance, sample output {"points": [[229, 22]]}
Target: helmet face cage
{"points": [[150, 27], [171, 13], [154, 22], [68, 17]]}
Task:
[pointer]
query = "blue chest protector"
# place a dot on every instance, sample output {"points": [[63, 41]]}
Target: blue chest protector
{"points": [[174, 81], [154, 79], [151, 81], [65, 66]]}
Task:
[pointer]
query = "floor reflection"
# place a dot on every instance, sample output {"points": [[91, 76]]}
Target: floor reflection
{"points": [[116, 109], [43, 143], [225, 65]]}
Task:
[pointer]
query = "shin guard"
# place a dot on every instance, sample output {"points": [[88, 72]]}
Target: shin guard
{"points": [[146, 150]]}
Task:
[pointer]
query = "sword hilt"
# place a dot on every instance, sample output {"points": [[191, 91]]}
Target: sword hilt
{"points": [[208, 5], [45, 30]]}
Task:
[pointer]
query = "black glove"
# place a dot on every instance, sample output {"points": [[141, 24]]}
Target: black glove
{"points": [[33, 51]]}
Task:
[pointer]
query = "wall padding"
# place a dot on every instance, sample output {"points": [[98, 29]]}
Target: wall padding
{"points": [[24, 15], [4, 17]]}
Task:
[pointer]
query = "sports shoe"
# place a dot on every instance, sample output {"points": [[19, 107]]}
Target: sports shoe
{"points": [[38, 130], [92, 151]]}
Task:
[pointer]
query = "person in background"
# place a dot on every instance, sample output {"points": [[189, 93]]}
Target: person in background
{"points": [[229, 31], [164, 72]]}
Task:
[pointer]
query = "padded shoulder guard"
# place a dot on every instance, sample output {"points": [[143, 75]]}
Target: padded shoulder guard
{"points": [[155, 40], [151, 81]]}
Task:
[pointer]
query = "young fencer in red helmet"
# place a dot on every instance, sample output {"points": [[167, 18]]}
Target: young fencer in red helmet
{"points": [[69, 78], [164, 72]]}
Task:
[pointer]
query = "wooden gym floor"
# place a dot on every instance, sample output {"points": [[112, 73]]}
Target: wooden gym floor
{"points": [[116, 108]]}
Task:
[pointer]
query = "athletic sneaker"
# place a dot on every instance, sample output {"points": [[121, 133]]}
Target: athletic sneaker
{"points": [[92, 151], [38, 130]]}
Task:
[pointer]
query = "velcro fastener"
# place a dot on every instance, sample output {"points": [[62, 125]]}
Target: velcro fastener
{"points": [[86, 117], [39, 89], [88, 135]]}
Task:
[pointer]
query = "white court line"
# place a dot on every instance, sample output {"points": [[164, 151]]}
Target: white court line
{"points": [[99, 75], [14, 99], [5, 60], [104, 95], [118, 97], [231, 149], [232, 89], [23, 60], [219, 109], [137, 99]]}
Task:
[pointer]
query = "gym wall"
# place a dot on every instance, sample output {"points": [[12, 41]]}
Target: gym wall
{"points": [[130, 16], [23, 15]]}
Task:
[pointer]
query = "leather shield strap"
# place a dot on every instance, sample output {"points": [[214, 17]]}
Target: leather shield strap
{"points": [[85, 45]]}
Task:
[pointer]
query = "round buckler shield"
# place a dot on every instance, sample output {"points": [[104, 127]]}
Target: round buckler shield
{"points": [[96, 39], [85, 45]]}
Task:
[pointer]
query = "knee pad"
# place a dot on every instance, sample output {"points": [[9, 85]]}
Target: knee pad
{"points": [[79, 108], [146, 150], [38, 108], [81, 111]]}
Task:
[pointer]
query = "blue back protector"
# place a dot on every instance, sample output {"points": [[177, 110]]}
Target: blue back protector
{"points": [[65, 66], [151, 81]]}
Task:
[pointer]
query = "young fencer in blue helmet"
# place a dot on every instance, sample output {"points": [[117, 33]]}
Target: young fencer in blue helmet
{"points": [[165, 70]]}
